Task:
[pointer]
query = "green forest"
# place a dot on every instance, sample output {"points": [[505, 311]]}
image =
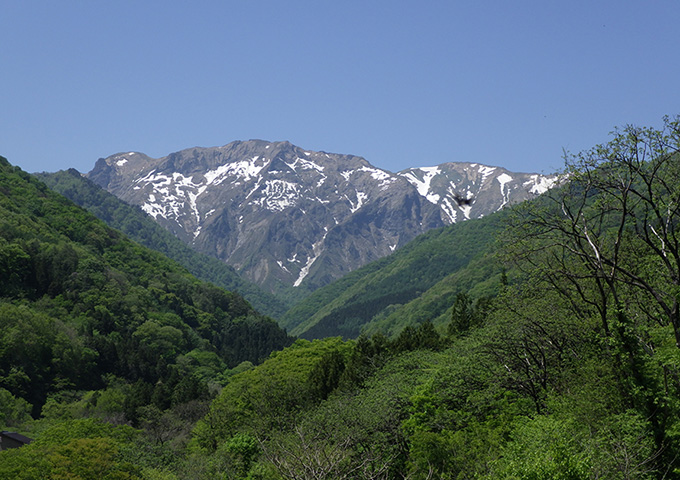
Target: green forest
{"points": [[137, 225], [539, 343]]}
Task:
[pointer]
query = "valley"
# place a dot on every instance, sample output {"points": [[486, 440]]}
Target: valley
{"points": [[536, 339]]}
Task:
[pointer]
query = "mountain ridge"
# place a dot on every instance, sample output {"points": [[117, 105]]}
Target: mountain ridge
{"points": [[293, 220]]}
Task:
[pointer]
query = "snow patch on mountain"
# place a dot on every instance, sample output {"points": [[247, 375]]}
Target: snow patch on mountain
{"points": [[317, 249], [361, 197], [278, 195], [540, 183], [151, 177], [153, 208], [192, 196], [120, 159], [305, 165], [385, 178], [449, 210], [424, 184], [282, 266], [504, 179], [244, 169], [486, 171]]}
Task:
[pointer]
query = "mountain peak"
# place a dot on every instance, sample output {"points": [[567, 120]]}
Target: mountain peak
{"points": [[289, 217]]}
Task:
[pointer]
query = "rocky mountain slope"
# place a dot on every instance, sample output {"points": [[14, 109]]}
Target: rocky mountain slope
{"points": [[284, 216]]}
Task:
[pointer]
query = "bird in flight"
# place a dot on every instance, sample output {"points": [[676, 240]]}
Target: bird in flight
{"points": [[461, 200]]}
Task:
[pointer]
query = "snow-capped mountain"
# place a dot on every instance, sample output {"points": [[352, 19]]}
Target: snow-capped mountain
{"points": [[470, 190], [286, 216]]}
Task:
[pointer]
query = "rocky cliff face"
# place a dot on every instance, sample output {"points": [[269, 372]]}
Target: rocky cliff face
{"points": [[285, 216]]}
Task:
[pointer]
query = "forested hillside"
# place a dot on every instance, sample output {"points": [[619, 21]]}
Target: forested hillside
{"points": [[418, 282], [83, 308], [378, 297], [571, 371], [141, 228]]}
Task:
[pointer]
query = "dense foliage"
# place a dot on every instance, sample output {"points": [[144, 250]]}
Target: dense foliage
{"points": [[571, 371], [82, 308], [132, 221]]}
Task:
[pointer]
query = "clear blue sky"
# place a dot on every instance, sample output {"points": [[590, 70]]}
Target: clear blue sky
{"points": [[401, 83]]}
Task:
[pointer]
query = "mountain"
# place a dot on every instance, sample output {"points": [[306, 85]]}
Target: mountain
{"points": [[83, 307], [287, 217], [570, 372], [136, 224]]}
